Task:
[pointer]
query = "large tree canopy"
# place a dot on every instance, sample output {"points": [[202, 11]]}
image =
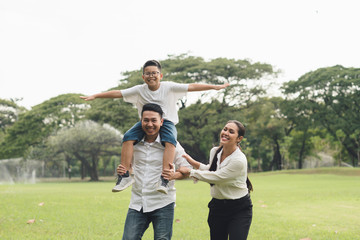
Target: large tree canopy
{"points": [[87, 141], [34, 126], [9, 111], [330, 96]]}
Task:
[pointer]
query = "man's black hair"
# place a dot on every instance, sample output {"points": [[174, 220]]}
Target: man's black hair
{"points": [[152, 107]]}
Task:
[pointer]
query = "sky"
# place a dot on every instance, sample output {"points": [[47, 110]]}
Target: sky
{"points": [[53, 47]]}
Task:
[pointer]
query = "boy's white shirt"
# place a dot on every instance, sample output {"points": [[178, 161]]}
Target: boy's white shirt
{"points": [[166, 96]]}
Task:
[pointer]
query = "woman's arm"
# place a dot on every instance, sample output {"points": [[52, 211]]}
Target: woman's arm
{"points": [[192, 162], [226, 174], [198, 165]]}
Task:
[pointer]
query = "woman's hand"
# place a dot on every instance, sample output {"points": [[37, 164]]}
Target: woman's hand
{"points": [[184, 171]]}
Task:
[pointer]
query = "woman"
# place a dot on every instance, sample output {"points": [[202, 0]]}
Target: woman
{"points": [[230, 210]]}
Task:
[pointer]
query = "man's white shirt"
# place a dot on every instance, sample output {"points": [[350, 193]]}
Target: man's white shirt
{"points": [[147, 167]]}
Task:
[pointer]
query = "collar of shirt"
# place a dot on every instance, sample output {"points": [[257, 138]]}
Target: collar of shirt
{"points": [[226, 160], [157, 140]]}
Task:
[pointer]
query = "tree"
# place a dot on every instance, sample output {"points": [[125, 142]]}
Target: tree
{"points": [[116, 112], [199, 127], [34, 126], [300, 130], [267, 129], [87, 141], [9, 112], [330, 97], [356, 137]]}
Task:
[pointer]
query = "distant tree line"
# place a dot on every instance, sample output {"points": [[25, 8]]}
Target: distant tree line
{"points": [[319, 112]]}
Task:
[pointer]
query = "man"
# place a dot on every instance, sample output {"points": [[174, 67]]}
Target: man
{"points": [[148, 205]]}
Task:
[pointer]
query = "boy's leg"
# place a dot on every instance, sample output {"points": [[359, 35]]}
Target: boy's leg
{"points": [[168, 136], [127, 154], [168, 158], [169, 155], [125, 179], [131, 137]]}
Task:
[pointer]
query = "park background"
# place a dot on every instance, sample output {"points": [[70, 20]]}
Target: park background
{"points": [[293, 70]]}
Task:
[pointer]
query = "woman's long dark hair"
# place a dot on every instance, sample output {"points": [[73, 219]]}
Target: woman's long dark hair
{"points": [[213, 166]]}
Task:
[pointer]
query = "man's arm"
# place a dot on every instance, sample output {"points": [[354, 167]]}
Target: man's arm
{"points": [[109, 94], [204, 87]]}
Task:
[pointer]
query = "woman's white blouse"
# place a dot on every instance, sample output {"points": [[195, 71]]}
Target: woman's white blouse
{"points": [[229, 177]]}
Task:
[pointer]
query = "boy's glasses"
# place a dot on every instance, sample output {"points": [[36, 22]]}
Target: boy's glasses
{"points": [[148, 74]]}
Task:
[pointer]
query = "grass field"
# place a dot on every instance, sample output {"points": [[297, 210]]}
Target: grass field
{"points": [[313, 204]]}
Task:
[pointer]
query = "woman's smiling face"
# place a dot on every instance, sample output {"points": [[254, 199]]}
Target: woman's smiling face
{"points": [[229, 135]]}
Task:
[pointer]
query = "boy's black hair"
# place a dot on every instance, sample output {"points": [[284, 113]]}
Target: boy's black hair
{"points": [[152, 63], [152, 107]]}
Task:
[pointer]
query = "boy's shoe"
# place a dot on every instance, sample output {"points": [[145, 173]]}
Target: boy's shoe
{"points": [[163, 185], [123, 182]]}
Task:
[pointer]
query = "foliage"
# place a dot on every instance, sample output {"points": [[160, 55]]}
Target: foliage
{"points": [[200, 126], [53, 163], [87, 141], [243, 75], [9, 111], [330, 97], [267, 129], [115, 112], [34, 126]]}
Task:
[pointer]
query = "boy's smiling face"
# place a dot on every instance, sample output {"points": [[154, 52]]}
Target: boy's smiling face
{"points": [[152, 77]]}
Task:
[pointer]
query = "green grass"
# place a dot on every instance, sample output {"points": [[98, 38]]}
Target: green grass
{"points": [[287, 205]]}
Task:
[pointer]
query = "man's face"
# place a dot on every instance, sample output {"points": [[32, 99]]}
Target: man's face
{"points": [[152, 77], [151, 123]]}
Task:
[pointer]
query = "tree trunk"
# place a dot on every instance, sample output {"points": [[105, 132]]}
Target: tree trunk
{"points": [[84, 165], [93, 169], [259, 164], [277, 156], [301, 153], [82, 170]]}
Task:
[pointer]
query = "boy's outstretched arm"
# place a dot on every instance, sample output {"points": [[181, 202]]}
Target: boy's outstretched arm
{"points": [[109, 94], [203, 87]]}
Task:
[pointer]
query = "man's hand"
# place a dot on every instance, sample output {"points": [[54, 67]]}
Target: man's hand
{"points": [[121, 170], [168, 174]]}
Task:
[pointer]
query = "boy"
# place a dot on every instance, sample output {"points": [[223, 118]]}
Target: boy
{"points": [[166, 95]]}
